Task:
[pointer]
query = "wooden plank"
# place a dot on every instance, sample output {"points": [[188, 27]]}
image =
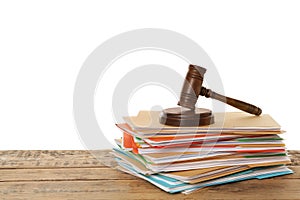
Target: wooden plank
{"points": [[66, 174], [79, 174], [64, 159], [137, 189], [55, 159]]}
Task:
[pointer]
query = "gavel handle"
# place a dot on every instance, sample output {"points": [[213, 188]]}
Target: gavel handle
{"points": [[249, 108]]}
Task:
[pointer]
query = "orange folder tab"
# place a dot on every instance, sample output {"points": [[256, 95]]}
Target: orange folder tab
{"points": [[128, 142]]}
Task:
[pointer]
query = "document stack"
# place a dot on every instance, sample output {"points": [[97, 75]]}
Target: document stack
{"points": [[237, 147]]}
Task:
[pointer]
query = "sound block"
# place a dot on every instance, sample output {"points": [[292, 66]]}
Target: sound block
{"points": [[180, 116]]}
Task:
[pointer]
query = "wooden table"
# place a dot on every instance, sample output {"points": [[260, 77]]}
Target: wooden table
{"points": [[79, 175]]}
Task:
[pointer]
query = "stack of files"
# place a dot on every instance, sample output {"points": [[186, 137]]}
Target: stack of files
{"points": [[237, 147]]}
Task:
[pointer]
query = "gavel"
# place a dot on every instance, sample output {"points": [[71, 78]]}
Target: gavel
{"points": [[192, 88]]}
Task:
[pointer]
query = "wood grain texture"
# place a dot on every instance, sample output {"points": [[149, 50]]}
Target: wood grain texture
{"points": [[91, 175]]}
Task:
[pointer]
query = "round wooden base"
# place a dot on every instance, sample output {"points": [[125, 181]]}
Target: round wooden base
{"points": [[179, 116]]}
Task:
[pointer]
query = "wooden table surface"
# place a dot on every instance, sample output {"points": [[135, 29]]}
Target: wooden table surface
{"points": [[79, 175]]}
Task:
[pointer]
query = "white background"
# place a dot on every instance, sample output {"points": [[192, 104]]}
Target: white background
{"points": [[255, 46]]}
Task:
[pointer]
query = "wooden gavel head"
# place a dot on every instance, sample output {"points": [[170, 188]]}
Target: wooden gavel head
{"points": [[192, 87], [187, 114]]}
